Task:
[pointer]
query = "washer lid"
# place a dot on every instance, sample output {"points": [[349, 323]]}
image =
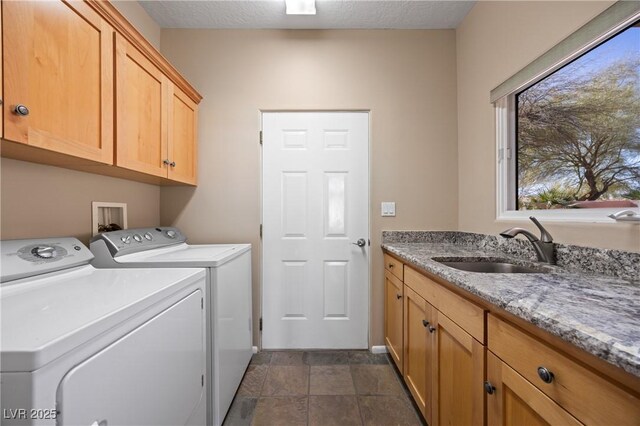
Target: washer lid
{"points": [[45, 317], [186, 255]]}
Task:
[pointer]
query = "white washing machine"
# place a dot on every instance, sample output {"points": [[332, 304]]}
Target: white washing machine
{"points": [[87, 346], [228, 297]]}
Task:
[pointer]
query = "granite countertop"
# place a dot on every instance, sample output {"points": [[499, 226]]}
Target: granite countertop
{"points": [[596, 312]]}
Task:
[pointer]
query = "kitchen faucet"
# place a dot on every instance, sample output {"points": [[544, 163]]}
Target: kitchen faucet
{"points": [[543, 246]]}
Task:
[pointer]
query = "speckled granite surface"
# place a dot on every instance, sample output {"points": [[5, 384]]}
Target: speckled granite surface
{"points": [[598, 312]]}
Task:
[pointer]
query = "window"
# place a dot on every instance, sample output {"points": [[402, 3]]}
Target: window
{"points": [[578, 131], [569, 139]]}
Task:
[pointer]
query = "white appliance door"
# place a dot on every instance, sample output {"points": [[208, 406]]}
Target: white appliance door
{"points": [[315, 207], [151, 376]]}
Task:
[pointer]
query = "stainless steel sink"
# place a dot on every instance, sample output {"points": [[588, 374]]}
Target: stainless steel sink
{"points": [[489, 266]]}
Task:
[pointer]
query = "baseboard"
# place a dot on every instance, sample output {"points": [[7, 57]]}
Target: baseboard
{"points": [[379, 349], [255, 349]]}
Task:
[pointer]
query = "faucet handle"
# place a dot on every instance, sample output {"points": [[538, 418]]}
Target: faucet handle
{"points": [[545, 236]]}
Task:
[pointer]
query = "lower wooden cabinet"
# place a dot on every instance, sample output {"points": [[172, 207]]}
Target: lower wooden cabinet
{"points": [[436, 337], [512, 400], [419, 351], [393, 318], [443, 365], [458, 392]]}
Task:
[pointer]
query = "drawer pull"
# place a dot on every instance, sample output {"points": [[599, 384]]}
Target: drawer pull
{"points": [[398, 296], [545, 375], [391, 266], [489, 388], [21, 110], [425, 323]]}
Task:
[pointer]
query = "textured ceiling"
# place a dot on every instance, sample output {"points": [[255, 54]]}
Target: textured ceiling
{"points": [[346, 14]]}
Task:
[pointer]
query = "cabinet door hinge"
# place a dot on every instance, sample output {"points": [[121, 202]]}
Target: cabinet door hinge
{"points": [[260, 137], [260, 323]]}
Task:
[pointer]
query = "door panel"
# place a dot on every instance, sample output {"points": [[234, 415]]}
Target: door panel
{"points": [[460, 371], [58, 62], [315, 205], [141, 113], [419, 351], [393, 318], [182, 149]]}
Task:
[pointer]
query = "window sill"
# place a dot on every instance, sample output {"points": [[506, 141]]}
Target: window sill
{"points": [[571, 215]]}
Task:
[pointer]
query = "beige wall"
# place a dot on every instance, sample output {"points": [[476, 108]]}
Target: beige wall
{"points": [[494, 41], [43, 201], [406, 79], [140, 19]]}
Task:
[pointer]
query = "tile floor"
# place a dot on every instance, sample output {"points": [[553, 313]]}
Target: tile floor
{"points": [[321, 388]]}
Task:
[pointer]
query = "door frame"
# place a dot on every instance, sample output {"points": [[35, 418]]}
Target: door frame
{"points": [[262, 111]]}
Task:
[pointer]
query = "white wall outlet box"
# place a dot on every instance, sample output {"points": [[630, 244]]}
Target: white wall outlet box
{"points": [[108, 217], [388, 208]]}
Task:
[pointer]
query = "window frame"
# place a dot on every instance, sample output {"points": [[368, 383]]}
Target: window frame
{"points": [[505, 124]]}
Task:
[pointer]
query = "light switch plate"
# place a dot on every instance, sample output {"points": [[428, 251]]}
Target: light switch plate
{"points": [[388, 208]]}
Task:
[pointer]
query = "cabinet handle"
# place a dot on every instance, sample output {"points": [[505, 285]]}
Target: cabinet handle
{"points": [[21, 110], [545, 375], [165, 162], [431, 329], [489, 388], [172, 164], [425, 323], [391, 266], [398, 296]]}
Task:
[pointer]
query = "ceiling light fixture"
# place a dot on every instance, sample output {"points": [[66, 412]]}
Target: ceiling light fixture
{"points": [[300, 7]]}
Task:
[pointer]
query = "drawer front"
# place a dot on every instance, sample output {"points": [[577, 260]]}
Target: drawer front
{"points": [[466, 314], [394, 266], [580, 391]]}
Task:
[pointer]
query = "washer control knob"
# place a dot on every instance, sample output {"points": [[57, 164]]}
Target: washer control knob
{"points": [[171, 233], [137, 237], [148, 236], [126, 239], [44, 252]]}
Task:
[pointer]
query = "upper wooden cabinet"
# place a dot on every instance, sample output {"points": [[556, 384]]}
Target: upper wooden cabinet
{"points": [[84, 90], [183, 142], [156, 121], [142, 107], [58, 78]]}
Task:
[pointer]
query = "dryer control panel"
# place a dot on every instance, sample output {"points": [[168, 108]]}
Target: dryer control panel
{"points": [[129, 241], [26, 258]]}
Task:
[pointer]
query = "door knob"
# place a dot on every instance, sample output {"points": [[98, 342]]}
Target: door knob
{"points": [[360, 243]]}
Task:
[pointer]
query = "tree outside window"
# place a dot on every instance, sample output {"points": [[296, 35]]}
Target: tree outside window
{"points": [[578, 131]]}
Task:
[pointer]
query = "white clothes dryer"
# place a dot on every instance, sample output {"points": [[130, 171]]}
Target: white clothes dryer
{"points": [[228, 303], [81, 345]]}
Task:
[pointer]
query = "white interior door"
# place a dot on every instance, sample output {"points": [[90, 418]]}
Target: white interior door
{"points": [[315, 207]]}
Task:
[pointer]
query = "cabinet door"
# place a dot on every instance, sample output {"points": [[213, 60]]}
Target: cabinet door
{"points": [[141, 112], [393, 317], [58, 63], [459, 396], [515, 401], [183, 124], [418, 354]]}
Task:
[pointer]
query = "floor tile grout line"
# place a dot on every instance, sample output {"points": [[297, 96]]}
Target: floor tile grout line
{"points": [[355, 389], [308, 391]]}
